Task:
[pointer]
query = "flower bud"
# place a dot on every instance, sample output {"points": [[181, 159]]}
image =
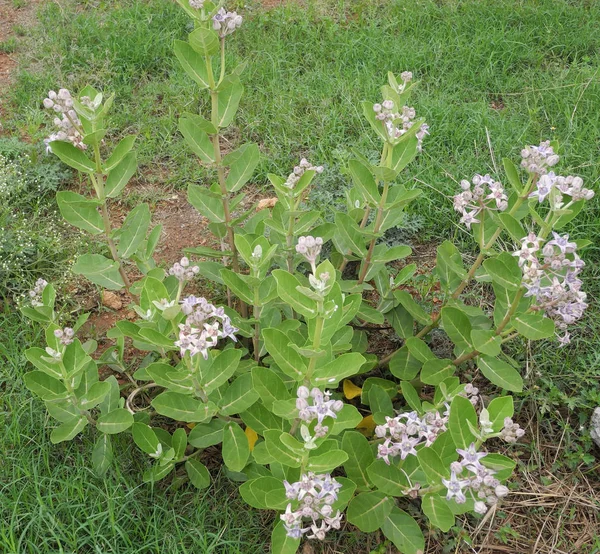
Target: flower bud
{"points": [[480, 507], [501, 491]]}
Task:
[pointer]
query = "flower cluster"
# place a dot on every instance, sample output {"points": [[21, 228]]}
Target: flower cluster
{"points": [[196, 4], [407, 430], [397, 123], [310, 248], [322, 406], [204, 326], [69, 124], [36, 293], [550, 275], [226, 22], [406, 77], [485, 194], [479, 481], [537, 159], [511, 431], [299, 170], [65, 335], [571, 186], [183, 271], [316, 494]]}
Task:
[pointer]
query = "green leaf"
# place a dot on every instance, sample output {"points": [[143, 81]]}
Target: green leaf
{"points": [[287, 289], [486, 342], [326, 463], [373, 121], [99, 270], [384, 254], [261, 420], [221, 369], [419, 349], [533, 326], [102, 454], [404, 365], [279, 451], [46, 387], [411, 396], [502, 465], [145, 437], [347, 418], [412, 307], [181, 407], [197, 473], [360, 457], [121, 150], [239, 396], [350, 235], [192, 62], [432, 465], [462, 413], [389, 479], [404, 532], [236, 450], [208, 205], [369, 510], [281, 543], [333, 372], [242, 163], [197, 139], [236, 283], [230, 93], [449, 266], [114, 422], [437, 370], [500, 373], [505, 271], [499, 409], [72, 156], [208, 434], [66, 431], [263, 492], [364, 181], [403, 153], [204, 41], [457, 326], [437, 510], [134, 229], [269, 386], [512, 174], [80, 212], [512, 226], [96, 394], [119, 176], [402, 322]]}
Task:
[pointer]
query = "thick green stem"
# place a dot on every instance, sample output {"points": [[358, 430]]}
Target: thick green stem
{"points": [[378, 220], [256, 314]]}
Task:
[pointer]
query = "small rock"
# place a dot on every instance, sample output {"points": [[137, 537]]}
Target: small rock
{"points": [[266, 203], [595, 426], [111, 300]]}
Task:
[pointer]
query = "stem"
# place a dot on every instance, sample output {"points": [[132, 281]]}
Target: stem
{"points": [[378, 220], [222, 75], [362, 226], [256, 314]]}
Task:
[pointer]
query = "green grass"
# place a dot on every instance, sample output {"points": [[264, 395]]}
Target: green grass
{"points": [[308, 70]]}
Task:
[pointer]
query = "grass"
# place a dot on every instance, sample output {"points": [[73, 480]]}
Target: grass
{"points": [[493, 73]]}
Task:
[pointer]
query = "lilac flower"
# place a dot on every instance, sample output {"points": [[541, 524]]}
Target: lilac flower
{"points": [[455, 488], [486, 194], [299, 170], [470, 456], [537, 159]]}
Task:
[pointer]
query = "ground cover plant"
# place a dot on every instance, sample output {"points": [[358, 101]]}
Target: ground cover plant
{"points": [[354, 235]]}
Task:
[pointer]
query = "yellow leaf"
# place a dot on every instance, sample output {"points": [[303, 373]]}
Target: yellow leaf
{"points": [[351, 390], [367, 425], [190, 425], [252, 437]]}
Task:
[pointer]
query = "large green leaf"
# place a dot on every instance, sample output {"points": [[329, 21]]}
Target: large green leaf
{"points": [[242, 163], [118, 154], [239, 396], [404, 532], [389, 479], [350, 236], [236, 450], [67, 430], [281, 543], [114, 422], [99, 270], [134, 229], [181, 407], [369, 510], [197, 473], [364, 181], [533, 326], [46, 387], [437, 510], [204, 41], [360, 457], [80, 212], [462, 413], [206, 203], [72, 156], [287, 289], [500, 373], [457, 326], [230, 93], [197, 139], [333, 372], [102, 454], [193, 63], [432, 465], [119, 176]]}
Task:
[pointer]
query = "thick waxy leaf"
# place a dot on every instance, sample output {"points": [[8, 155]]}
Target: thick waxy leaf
{"points": [[326, 463], [385, 254], [512, 226], [239, 396], [389, 479], [437, 510], [261, 420], [204, 41], [364, 181], [360, 457], [121, 150], [95, 395], [419, 349], [404, 532], [457, 326], [350, 236], [263, 493], [499, 409], [269, 386], [46, 387], [505, 271], [286, 358], [369, 510], [114, 422], [486, 342], [192, 62], [404, 365], [66, 431], [145, 437], [102, 454], [197, 139], [238, 285], [281, 543], [462, 413], [204, 435], [181, 407], [449, 266], [242, 163], [402, 322], [533, 326], [134, 229], [333, 372], [412, 307], [347, 418], [281, 452], [72, 156], [500, 373], [197, 473], [80, 212], [230, 93], [432, 465], [437, 370], [287, 289], [99, 270], [502, 465], [235, 447], [403, 153], [373, 121], [119, 176], [512, 174], [206, 203], [380, 404]]}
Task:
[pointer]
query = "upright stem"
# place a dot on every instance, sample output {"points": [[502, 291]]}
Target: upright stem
{"points": [[378, 220], [256, 314]]}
